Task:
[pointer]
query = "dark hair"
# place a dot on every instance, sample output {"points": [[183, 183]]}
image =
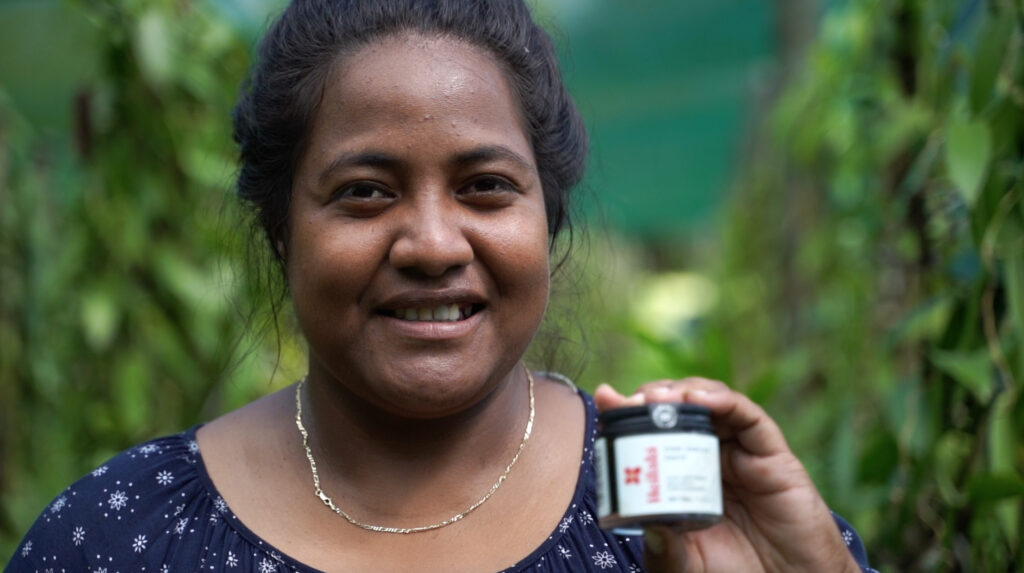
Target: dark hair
{"points": [[279, 100]]}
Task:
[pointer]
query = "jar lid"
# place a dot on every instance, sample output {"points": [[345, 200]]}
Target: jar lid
{"points": [[659, 416]]}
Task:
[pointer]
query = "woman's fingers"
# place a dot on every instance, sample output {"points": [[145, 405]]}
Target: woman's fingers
{"points": [[738, 418], [679, 390], [735, 416], [664, 550], [608, 398]]}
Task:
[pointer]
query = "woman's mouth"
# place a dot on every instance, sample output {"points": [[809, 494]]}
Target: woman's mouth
{"points": [[440, 313]]}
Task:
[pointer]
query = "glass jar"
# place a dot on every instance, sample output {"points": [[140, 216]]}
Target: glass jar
{"points": [[658, 463]]}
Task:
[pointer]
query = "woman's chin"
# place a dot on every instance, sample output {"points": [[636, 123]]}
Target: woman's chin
{"points": [[422, 394], [428, 405], [417, 385]]}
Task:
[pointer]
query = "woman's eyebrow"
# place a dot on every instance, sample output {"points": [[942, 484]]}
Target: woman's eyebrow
{"points": [[358, 159], [488, 153], [385, 160]]}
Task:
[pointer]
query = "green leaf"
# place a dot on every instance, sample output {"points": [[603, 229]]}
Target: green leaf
{"points": [[968, 152], [842, 465], [99, 317], [923, 321], [1002, 439], [1008, 513], [1002, 446], [993, 41], [989, 487], [951, 452], [154, 47], [973, 370]]}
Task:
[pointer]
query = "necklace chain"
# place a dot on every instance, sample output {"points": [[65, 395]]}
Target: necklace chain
{"points": [[386, 529]]}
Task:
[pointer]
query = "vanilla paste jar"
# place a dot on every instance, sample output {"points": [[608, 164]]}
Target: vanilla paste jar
{"points": [[658, 463]]}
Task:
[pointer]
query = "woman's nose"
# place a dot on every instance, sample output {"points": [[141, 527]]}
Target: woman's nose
{"points": [[431, 239]]}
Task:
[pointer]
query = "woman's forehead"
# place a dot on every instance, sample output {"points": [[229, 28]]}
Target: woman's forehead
{"points": [[410, 84], [440, 67]]}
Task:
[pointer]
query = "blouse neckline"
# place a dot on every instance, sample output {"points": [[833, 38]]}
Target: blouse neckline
{"points": [[578, 497]]}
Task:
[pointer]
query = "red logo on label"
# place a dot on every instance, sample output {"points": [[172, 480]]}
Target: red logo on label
{"points": [[633, 475]]}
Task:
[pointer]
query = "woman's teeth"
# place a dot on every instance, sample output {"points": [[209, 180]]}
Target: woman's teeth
{"points": [[443, 313]]}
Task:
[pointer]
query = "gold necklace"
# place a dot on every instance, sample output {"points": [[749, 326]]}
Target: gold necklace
{"points": [[385, 529]]}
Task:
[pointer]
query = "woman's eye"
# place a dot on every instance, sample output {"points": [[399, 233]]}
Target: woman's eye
{"points": [[490, 185], [362, 191]]}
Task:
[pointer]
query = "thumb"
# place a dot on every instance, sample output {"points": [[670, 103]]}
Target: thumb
{"points": [[664, 551]]}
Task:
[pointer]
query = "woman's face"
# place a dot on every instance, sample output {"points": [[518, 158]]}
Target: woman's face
{"points": [[417, 257]]}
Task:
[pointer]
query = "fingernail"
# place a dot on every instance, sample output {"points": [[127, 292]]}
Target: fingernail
{"points": [[699, 392], [654, 540]]}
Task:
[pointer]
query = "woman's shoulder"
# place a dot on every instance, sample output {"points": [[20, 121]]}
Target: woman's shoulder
{"points": [[91, 523], [153, 508]]}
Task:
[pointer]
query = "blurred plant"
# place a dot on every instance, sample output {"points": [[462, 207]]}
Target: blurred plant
{"points": [[872, 280], [125, 302]]}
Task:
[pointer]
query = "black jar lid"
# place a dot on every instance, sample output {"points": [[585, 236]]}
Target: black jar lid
{"points": [[656, 417]]}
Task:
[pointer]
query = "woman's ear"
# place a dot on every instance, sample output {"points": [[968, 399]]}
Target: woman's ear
{"points": [[279, 245]]}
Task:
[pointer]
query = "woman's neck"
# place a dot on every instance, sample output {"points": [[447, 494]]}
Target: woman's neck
{"points": [[393, 466]]}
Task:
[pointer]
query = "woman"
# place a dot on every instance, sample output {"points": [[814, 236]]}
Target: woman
{"points": [[410, 163]]}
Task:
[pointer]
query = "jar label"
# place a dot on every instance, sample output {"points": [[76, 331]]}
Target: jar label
{"points": [[667, 473], [604, 503]]}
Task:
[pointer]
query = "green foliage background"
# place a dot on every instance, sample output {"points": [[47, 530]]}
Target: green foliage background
{"points": [[127, 307], [865, 282]]}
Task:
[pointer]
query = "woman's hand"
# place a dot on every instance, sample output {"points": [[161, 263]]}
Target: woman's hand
{"points": [[774, 519]]}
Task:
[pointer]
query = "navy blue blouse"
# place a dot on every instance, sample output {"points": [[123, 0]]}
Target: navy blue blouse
{"points": [[154, 508]]}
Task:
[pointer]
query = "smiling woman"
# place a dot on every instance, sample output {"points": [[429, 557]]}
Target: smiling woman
{"points": [[410, 163]]}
